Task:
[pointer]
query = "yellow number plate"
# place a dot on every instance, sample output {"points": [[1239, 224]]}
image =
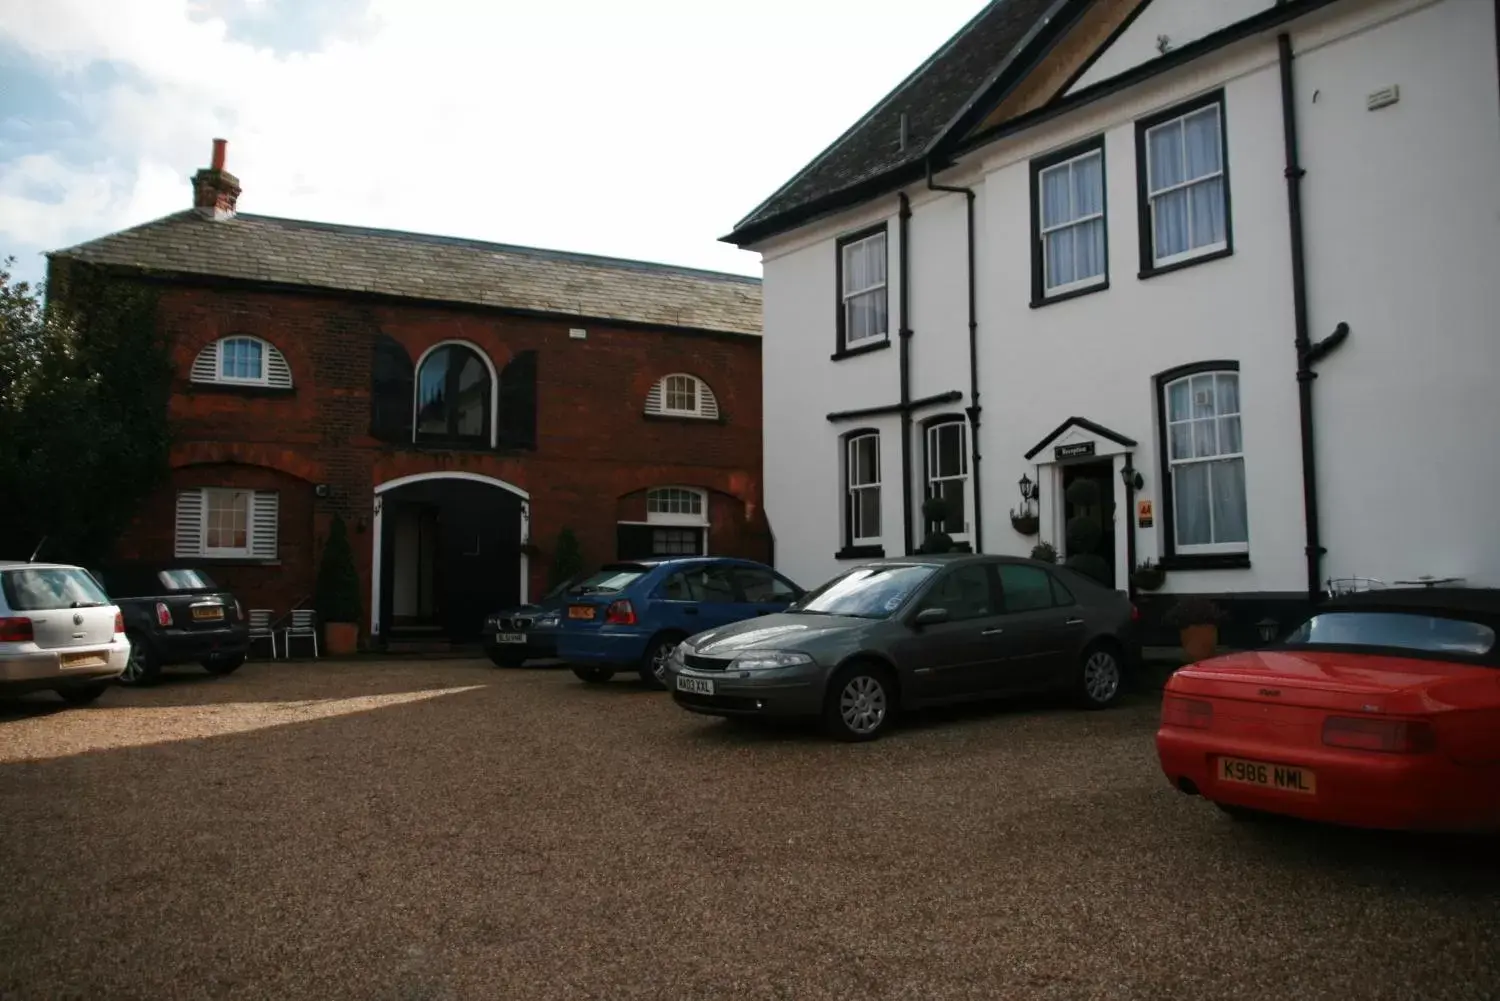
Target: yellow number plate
{"points": [[208, 612], [84, 660], [1288, 778], [580, 611]]}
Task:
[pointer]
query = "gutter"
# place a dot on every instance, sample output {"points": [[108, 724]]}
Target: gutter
{"points": [[1307, 352], [973, 409], [903, 241]]}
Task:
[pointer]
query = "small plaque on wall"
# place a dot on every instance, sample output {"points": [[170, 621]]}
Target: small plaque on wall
{"points": [[1074, 451], [1143, 514]]}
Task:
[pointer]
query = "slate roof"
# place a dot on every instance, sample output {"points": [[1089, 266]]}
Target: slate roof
{"points": [[418, 266], [930, 98]]}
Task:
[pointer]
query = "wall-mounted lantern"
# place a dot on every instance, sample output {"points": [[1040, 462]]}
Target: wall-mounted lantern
{"points": [[1132, 478], [1029, 490]]}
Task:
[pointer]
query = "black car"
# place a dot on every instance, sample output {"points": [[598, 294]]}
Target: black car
{"points": [[512, 636], [176, 616]]}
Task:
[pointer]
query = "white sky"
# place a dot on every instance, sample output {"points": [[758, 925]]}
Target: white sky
{"points": [[636, 128]]}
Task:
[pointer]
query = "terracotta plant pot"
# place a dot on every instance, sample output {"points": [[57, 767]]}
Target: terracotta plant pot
{"points": [[340, 639], [1199, 642]]}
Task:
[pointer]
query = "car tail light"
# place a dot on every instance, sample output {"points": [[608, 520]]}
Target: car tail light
{"points": [[163, 614], [620, 613], [119, 623], [16, 630], [1193, 713], [1393, 736], [1135, 613]]}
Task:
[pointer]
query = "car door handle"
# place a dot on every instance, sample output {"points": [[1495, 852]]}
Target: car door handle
{"points": [[1073, 622], [992, 632]]}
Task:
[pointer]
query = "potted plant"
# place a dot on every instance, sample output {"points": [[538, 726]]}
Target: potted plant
{"points": [[1025, 522], [337, 592], [567, 559], [1046, 552], [935, 510], [1084, 532], [1197, 621], [1148, 576]]}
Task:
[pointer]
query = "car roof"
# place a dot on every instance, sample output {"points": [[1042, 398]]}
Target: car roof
{"points": [[23, 564], [681, 561], [950, 559], [1483, 602]]}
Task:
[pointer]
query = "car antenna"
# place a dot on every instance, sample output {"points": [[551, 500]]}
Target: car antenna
{"points": [[35, 552]]}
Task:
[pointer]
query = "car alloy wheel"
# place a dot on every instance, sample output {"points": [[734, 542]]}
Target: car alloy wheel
{"points": [[660, 658], [138, 667], [862, 705], [1101, 677]]}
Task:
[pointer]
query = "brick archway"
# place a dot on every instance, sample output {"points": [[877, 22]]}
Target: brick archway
{"points": [[284, 460]]}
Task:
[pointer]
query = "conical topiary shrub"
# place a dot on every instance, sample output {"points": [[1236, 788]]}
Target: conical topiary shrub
{"points": [[935, 511], [337, 591], [1084, 532]]}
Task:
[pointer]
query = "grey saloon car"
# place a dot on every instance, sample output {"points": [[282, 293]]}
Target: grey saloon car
{"points": [[899, 633]]}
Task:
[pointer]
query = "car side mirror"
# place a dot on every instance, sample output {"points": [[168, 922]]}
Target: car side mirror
{"points": [[930, 617]]}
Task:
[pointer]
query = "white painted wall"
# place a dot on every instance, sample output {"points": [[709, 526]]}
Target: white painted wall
{"points": [[1403, 232], [1181, 21], [1403, 239]]}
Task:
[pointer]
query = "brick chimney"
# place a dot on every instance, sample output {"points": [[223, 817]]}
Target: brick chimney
{"points": [[215, 190]]}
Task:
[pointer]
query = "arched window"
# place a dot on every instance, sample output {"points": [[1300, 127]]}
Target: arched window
{"points": [[682, 395], [947, 441], [455, 396], [241, 361]]}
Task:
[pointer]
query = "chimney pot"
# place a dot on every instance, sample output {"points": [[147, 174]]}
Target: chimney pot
{"points": [[215, 190], [219, 148]]}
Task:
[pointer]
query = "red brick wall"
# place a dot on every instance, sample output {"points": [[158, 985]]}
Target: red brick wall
{"points": [[594, 445]]}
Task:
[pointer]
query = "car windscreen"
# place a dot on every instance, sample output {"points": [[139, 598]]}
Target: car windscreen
{"points": [[1416, 632], [45, 588], [867, 592], [185, 580], [610, 579]]}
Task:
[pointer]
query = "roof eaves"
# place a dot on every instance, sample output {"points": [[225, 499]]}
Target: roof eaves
{"points": [[874, 110]]}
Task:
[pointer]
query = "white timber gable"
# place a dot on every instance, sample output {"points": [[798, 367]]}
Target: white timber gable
{"points": [[1158, 27]]}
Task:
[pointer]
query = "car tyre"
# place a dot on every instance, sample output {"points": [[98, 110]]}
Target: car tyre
{"points": [[141, 668], [1101, 676], [82, 695], [653, 667], [502, 659], [593, 675], [860, 704], [223, 665]]}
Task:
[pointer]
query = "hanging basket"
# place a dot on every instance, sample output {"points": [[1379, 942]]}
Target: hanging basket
{"points": [[1026, 524], [1148, 578]]}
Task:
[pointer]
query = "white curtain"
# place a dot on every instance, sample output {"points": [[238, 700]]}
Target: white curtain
{"points": [[1071, 192], [1185, 166]]}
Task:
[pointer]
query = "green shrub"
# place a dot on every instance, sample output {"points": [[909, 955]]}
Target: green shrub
{"points": [[337, 592]]}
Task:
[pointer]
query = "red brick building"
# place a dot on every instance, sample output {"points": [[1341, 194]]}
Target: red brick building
{"points": [[458, 402]]}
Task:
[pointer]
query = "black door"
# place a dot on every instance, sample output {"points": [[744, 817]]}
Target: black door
{"points": [[475, 562], [1089, 507]]}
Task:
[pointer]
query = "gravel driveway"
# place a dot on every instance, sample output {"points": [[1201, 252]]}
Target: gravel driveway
{"points": [[408, 830]]}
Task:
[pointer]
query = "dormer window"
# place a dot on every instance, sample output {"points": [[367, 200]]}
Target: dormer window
{"points": [[242, 361], [682, 395]]}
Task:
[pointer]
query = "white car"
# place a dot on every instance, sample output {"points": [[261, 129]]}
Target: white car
{"points": [[58, 632]]}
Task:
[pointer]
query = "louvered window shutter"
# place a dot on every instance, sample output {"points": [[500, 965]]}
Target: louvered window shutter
{"points": [[655, 399], [189, 532], [708, 404], [206, 365], [518, 401], [264, 518], [390, 391]]}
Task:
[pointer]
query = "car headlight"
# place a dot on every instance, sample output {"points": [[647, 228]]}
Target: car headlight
{"points": [[765, 660], [547, 622], [679, 654]]}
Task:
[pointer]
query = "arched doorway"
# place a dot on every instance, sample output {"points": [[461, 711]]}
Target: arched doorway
{"points": [[447, 554]]}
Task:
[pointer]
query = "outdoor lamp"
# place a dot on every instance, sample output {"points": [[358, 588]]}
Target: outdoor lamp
{"points": [[1132, 477], [1028, 489], [1268, 629]]}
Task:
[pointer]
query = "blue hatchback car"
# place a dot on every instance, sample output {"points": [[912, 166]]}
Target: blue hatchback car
{"points": [[631, 615]]}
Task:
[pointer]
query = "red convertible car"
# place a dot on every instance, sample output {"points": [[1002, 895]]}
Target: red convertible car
{"points": [[1382, 710]]}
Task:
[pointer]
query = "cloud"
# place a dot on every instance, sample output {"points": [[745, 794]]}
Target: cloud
{"points": [[639, 130]]}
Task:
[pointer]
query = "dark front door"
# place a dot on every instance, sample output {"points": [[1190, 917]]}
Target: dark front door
{"points": [[468, 541], [1089, 508]]}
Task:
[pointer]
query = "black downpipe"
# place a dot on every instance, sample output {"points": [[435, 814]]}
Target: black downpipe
{"points": [[903, 241], [973, 409], [1307, 351]]}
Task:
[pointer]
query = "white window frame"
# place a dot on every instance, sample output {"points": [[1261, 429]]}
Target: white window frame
{"points": [[705, 403], [492, 433], [853, 490], [680, 518], [1044, 231], [933, 431], [208, 365], [1174, 463], [229, 552], [697, 534], [258, 380], [1217, 107], [847, 295]]}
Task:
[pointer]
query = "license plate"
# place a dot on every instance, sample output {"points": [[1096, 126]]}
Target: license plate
{"points": [[208, 613], [510, 637], [84, 660], [1288, 778], [580, 611], [698, 686]]}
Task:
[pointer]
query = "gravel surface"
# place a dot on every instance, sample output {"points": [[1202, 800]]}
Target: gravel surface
{"points": [[411, 830]]}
